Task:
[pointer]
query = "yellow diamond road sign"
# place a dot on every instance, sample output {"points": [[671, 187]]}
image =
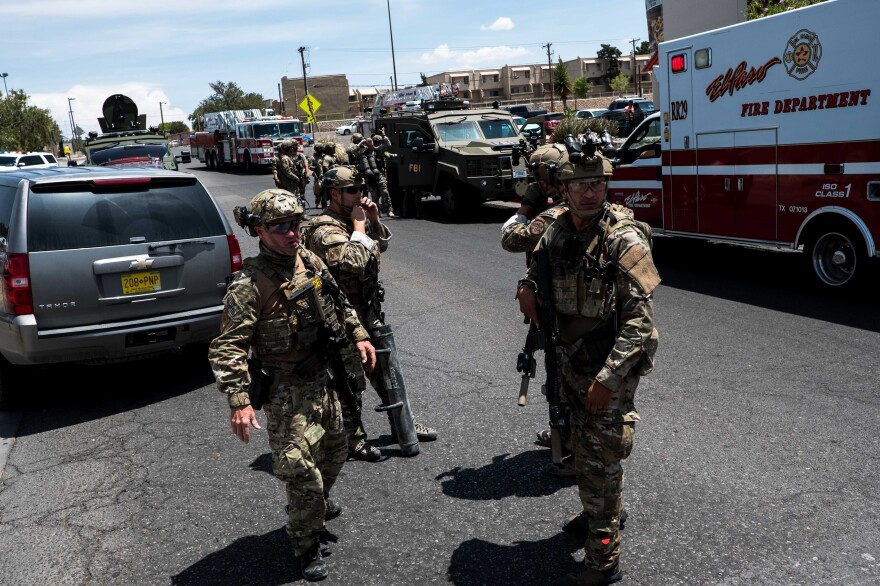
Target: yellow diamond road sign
{"points": [[310, 105]]}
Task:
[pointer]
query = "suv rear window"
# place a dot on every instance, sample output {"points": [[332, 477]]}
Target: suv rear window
{"points": [[73, 217]]}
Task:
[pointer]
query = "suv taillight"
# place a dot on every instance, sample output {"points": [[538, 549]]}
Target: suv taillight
{"points": [[17, 297], [234, 252]]}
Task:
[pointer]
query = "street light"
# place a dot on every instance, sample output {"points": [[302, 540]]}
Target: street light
{"points": [[4, 76], [72, 125], [162, 115]]}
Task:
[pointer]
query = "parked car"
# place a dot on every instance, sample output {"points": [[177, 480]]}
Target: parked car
{"points": [[183, 156], [307, 139], [13, 161], [616, 112], [519, 121], [586, 113], [541, 125], [101, 264], [348, 128]]}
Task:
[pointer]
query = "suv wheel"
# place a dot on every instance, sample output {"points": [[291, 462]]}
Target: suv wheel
{"points": [[8, 379]]}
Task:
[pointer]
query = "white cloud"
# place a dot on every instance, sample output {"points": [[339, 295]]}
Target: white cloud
{"points": [[502, 23], [443, 57]]}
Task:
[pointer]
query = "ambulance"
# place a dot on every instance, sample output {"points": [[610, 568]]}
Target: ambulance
{"points": [[767, 134]]}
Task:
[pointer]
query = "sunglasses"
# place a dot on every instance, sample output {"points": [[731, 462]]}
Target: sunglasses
{"points": [[284, 227], [582, 186], [354, 189]]}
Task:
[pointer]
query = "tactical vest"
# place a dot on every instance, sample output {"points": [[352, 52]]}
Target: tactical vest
{"points": [[362, 290], [583, 278], [288, 321]]}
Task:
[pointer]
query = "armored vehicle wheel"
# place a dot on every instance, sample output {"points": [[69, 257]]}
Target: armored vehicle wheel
{"points": [[453, 202], [837, 255]]}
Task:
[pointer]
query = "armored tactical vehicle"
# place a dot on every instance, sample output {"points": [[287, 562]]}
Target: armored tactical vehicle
{"points": [[465, 156], [126, 141]]}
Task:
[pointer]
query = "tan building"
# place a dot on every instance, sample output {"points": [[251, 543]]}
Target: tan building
{"points": [[330, 90]]}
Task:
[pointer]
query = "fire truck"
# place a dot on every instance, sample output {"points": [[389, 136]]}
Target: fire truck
{"points": [[244, 138], [767, 134]]}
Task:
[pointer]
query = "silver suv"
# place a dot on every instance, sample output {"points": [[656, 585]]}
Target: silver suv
{"points": [[101, 264]]}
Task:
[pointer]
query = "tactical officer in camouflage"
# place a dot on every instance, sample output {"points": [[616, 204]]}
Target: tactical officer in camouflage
{"points": [[274, 309], [291, 169], [367, 154], [603, 277], [349, 237]]}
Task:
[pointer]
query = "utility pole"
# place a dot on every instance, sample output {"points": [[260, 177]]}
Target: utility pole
{"points": [[391, 32], [636, 74], [306, 88], [73, 141], [162, 116], [550, 73], [280, 98]]}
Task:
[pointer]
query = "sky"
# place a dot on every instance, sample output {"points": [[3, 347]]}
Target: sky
{"points": [[170, 50]]}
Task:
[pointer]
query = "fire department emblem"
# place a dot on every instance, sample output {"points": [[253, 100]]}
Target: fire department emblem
{"points": [[802, 54]]}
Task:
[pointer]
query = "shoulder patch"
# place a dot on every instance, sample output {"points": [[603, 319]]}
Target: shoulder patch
{"points": [[639, 265], [536, 226]]}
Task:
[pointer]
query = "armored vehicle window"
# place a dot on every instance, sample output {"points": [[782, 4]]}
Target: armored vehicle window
{"points": [[458, 131], [406, 137], [83, 219], [497, 128]]}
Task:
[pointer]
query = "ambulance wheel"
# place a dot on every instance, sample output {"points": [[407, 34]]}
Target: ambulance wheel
{"points": [[837, 255]]}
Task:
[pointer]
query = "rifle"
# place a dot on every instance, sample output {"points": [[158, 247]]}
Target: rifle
{"points": [[550, 336], [525, 362], [330, 342]]}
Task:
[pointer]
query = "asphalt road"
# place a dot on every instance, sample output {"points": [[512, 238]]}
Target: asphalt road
{"points": [[757, 460]]}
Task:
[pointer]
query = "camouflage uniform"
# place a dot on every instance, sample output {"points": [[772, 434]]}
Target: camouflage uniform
{"points": [[305, 428], [327, 155], [288, 176], [371, 164], [607, 335], [355, 264]]}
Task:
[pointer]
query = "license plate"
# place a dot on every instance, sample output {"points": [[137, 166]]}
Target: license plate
{"points": [[147, 282], [519, 173]]}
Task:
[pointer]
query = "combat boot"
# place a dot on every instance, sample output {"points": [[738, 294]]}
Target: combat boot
{"points": [[592, 577], [312, 565], [334, 509], [365, 452]]}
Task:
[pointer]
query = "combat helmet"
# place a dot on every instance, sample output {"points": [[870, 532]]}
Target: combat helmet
{"points": [[356, 137], [268, 206], [546, 161], [342, 176], [584, 167]]}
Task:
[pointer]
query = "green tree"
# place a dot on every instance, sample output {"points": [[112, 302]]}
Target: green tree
{"points": [[644, 48], [562, 83], [176, 127], [226, 96], [580, 89], [762, 8], [611, 56], [24, 127], [619, 83]]}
